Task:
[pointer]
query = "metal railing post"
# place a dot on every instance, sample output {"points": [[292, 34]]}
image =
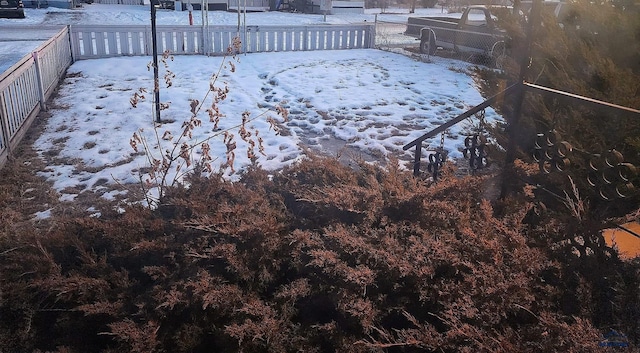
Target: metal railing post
{"points": [[154, 43], [416, 159]]}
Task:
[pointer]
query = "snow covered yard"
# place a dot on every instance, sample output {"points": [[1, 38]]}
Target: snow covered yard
{"points": [[366, 103], [353, 103]]}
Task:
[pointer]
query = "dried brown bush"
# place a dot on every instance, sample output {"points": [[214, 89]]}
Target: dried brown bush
{"points": [[314, 258]]}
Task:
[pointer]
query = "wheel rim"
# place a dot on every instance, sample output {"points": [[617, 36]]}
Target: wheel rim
{"points": [[499, 55], [428, 42]]}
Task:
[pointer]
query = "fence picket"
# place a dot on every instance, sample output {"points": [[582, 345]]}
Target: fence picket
{"points": [[263, 42], [165, 41], [190, 42], [227, 38], [124, 43], [334, 38], [87, 45], [100, 44], [137, 41], [280, 40]]}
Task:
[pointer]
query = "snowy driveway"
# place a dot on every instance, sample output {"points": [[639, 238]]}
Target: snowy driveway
{"points": [[16, 42]]}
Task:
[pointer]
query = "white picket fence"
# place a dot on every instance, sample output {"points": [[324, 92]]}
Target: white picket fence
{"points": [[92, 42], [26, 86]]}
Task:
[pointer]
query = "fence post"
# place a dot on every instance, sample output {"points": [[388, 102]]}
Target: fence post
{"points": [[374, 29], [43, 102], [371, 29], [4, 125], [72, 41]]}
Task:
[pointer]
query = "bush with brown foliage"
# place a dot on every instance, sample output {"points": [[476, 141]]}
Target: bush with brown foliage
{"points": [[315, 258]]}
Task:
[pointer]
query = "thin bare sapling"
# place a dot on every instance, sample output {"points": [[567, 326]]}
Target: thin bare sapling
{"points": [[170, 158]]}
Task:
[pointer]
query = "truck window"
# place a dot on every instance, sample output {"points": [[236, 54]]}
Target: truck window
{"points": [[476, 17]]}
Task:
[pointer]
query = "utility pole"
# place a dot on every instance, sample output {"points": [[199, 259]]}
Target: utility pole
{"points": [[154, 41]]}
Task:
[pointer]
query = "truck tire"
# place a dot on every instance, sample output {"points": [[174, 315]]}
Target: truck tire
{"points": [[499, 54], [428, 44]]}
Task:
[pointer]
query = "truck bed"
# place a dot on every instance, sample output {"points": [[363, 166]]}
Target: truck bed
{"points": [[415, 24]]}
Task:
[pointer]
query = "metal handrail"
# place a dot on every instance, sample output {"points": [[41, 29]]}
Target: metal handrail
{"points": [[528, 87], [418, 142], [586, 100]]}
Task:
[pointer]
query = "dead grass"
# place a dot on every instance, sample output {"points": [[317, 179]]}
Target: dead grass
{"points": [[25, 193]]}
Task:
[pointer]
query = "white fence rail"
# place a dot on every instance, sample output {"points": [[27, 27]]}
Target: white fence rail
{"points": [[92, 42], [25, 87]]}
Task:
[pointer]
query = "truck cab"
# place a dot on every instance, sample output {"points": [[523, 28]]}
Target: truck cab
{"points": [[476, 30], [11, 9]]}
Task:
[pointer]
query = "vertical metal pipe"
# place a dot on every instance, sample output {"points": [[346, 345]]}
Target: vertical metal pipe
{"points": [[514, 124], [154, 43], [417, 158]]}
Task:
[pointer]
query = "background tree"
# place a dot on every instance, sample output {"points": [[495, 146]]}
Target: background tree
{"points": [[592, 50]]}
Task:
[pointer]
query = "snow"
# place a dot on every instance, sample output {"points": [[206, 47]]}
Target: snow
{"points": [[366, 103], [15, 44], [12, 52], [42, 215]]}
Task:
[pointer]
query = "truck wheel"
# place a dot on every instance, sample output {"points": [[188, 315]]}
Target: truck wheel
{"points": [[499, 55], [428, 45]]}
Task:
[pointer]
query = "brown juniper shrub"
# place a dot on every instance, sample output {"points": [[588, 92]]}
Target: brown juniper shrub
{"points": [[317, 257]]}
